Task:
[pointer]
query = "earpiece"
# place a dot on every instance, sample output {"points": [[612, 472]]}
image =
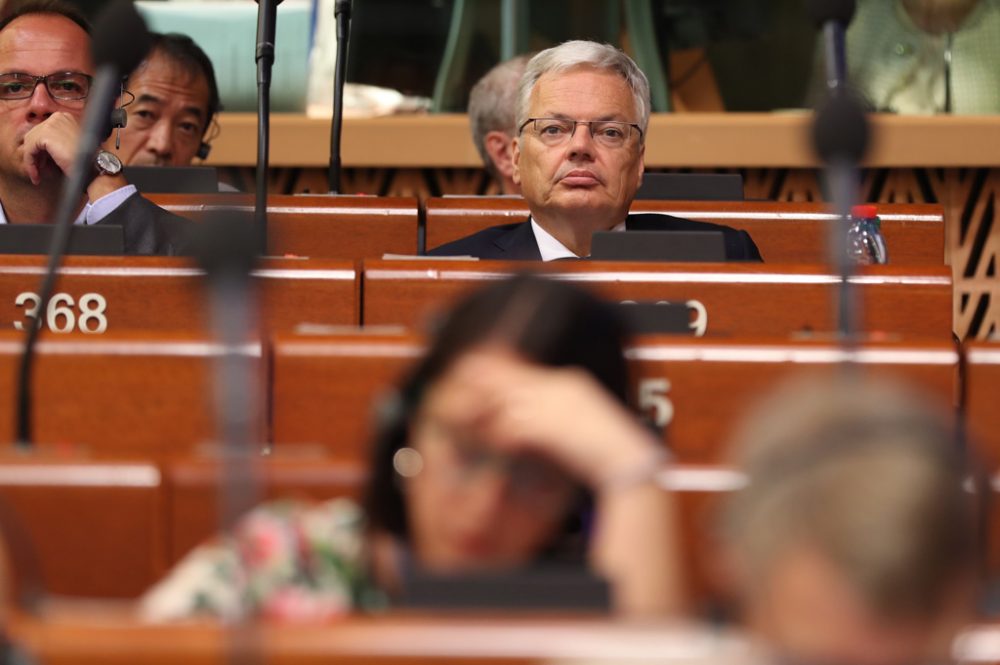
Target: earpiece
{"points": [[119, 117], [205, 147]]}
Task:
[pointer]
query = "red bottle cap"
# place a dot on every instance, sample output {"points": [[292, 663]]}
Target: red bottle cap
{"points": [[864, 211]]}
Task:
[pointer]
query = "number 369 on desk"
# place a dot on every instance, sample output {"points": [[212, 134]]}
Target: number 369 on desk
{"points": [[63, 314]]}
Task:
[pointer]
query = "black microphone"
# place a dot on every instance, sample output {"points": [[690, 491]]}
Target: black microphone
{"points": [[342, 13], [841, 136], [833, 17], [840, 130], [267, 18], [120, 41]]}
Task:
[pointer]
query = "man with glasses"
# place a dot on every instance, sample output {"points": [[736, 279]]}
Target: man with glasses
{"points": [[45, 77], [582, 114]]}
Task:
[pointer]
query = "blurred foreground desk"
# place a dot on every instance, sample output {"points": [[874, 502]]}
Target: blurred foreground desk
{"points": [[91, 635], [728, 299], [325, 388], [97, 294], [78, 526]]}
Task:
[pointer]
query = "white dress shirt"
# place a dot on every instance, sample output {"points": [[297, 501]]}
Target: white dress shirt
{"points": [[550, 248]]}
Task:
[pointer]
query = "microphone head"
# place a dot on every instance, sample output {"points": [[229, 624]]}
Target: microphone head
{"points": [[840, 129], [824, 11], [120, 37], [225, 243]]}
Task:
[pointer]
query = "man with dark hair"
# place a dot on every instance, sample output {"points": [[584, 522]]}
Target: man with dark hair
{"points": [[176, 99], [45, 77]]}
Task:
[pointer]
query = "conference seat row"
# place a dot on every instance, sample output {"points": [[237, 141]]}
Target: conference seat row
{"points": [[151, 396], [360, 227], [100, 294], [104, 635]]}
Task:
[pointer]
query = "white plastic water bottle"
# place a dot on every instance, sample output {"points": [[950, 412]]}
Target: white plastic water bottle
{"points": [[865, 244]]}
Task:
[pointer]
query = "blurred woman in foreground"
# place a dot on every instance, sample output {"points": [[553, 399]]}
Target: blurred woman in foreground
{"points": [[509, 444]]}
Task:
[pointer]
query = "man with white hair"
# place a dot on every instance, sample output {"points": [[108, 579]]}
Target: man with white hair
{"points": [[578, 181], [492, 110]]}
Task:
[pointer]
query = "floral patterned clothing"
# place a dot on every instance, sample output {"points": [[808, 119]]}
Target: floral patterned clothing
{"points": [[285, 560]]}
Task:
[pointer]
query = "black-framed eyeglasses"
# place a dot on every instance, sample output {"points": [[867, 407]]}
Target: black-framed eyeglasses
{"points": [[64, 86], [557, 131]]}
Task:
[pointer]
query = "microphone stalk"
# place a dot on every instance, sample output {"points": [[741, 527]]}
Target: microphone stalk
{"points": [[342, 14], [267, 17]]}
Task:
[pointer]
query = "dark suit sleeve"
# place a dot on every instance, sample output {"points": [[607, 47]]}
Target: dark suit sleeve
{"points": [[149, 229]]}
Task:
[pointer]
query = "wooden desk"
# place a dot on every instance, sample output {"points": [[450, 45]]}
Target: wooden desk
{"points": [[325, 387], [326, 227], [982, 397], [291, 472], [784, 232], [706, 140], [696, 390], [94, 294], [738, 299], [89, 528], [97, 635], [137, 395]]}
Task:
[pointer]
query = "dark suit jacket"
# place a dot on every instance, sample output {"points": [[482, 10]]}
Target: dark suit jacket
{"points": [[149, 229], [516, 242]]}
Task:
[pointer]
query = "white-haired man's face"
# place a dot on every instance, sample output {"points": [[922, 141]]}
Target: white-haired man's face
{"points": [[580, 174]]}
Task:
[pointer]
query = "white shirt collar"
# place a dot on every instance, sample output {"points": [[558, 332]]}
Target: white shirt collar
{"points": [[550, 248]]}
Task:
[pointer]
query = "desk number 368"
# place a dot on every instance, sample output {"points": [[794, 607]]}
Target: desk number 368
{"points": [[60, 317]]}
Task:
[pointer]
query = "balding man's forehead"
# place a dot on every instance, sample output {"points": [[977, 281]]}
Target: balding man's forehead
{"points": [[47, 34]]}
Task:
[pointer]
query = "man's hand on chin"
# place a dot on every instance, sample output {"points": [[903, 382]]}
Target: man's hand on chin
{"points": [[50, 145]]}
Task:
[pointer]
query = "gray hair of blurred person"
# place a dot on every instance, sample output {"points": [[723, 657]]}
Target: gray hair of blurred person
{"points": [[829, 464], [579, 53], [492, 104]]}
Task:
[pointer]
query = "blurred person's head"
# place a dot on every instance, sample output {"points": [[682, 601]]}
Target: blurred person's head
{"points": [[466, 507], [492, 105], [582, 114], [939, 16], [855, 539], [176, 99]]}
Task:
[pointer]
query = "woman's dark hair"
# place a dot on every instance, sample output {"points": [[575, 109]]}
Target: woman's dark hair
{"points": [[547, 322]]}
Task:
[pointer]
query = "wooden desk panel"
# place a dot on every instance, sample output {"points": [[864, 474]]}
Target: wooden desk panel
{"points": [[194, 481], [120, 394], [784, 232], [153, 293], [326, 227], [109, 636], [982, 398], [92, 528], [325, 388], [694, 389], [740, 299]]}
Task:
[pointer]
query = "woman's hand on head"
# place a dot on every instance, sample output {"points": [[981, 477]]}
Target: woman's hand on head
{"points": [[563, 414]]}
